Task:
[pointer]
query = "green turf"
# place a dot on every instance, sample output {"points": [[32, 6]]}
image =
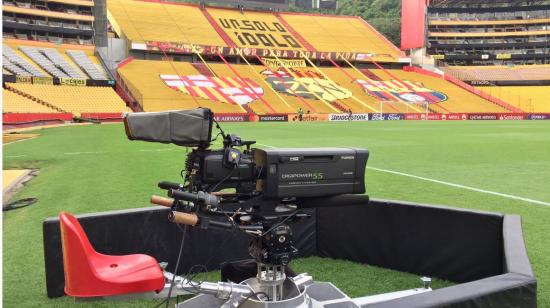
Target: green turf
{"points": [[94, 168]]}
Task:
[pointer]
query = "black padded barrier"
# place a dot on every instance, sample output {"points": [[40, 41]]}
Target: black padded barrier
{"points": [[457, 245], [484, 252]]}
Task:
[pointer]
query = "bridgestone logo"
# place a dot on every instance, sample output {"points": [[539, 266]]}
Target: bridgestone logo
{"points": [[346, 117]]}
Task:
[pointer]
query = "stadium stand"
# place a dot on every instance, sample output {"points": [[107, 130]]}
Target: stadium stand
{"points": [[74, 99], [528, 98], [341, 33], [94, 71], [38, 59], [140, 21], [19, 64], [337, 89], [463, 32], [62, 22], [516, 72], [56, 69], [15, 103]]}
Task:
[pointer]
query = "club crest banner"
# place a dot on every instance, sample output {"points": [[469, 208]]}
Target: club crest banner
{"points": [[306, 84], [403, 90], [220, 89]]}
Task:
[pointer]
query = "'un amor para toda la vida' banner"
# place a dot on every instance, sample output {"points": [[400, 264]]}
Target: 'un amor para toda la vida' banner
{"points": [[183, 48]]}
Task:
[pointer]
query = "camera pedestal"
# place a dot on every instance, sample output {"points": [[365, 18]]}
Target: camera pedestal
{"points": [[298, 292]]}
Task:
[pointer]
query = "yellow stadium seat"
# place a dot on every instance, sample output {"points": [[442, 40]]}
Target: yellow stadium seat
{"points": [[345, 34], [16, 103], [527, 98], [499, 72], [75, 99], [141, 21]]}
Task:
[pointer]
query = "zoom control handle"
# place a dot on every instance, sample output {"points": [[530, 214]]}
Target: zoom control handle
{"points": [[197, 198]]}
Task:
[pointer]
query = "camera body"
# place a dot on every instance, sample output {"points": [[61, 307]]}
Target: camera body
{"points": [[272, 173]]}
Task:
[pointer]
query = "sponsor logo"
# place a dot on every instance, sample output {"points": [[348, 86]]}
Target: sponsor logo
{"points": [[456, 116], [403, 90], [394, 116], [231, 118], [486, 116], [306, 84], [309, 118], [220, 89], [377, 117], [511, 116], [23, 79], [273, 118], [346, 117], [72, 82], [414, 116], [42, 80], [348, 157], [386, 116], [435, 116], [539, 116]]}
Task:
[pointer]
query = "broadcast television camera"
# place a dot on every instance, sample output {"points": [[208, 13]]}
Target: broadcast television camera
{"points": [[258, 191]]}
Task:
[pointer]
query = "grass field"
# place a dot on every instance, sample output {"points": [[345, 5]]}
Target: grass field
{"points": [[95, 168]]}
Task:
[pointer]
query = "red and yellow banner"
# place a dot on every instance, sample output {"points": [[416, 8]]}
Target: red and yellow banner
{"points": [[219, 89]]}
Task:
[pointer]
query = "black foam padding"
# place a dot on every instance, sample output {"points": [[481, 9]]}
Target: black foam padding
{"points": [[503, 291], [452, 244], [515, 254]]}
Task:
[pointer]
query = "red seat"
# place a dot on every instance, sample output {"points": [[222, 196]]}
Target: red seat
{"points": [[89, 273]]}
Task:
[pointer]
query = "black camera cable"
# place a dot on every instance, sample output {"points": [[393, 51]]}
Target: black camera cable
{"points": [[167, 300]]}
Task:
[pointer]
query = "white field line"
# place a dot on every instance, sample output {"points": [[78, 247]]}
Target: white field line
{"points": [[463, 187], [80, 153], [14, 156], [16, 141], [483, 191]]}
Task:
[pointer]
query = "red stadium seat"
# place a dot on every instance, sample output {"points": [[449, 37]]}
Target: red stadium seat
{"points": [[91, 274]]}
